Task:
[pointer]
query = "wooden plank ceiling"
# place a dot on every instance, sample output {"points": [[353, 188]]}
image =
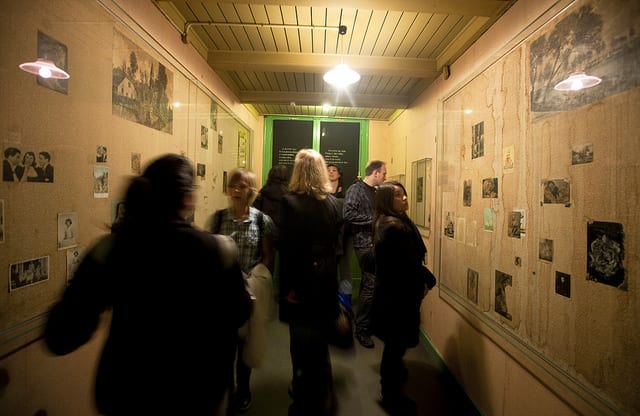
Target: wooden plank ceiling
{"points": [[273, 56]]}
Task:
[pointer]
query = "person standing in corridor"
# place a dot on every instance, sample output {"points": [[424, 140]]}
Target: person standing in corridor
{"points": [[358, 213]]}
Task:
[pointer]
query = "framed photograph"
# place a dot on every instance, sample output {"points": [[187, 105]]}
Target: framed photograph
{"points": [[420, 193]]}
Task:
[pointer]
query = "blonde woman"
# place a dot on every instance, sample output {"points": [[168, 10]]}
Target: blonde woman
{"points": [[308, 238]]}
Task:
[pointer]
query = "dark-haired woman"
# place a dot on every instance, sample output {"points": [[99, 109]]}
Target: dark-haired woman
{"points": [[168, 286], [402, 282]]}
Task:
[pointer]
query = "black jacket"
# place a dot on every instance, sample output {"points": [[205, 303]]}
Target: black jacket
{"points": [[401, 279], [176, 307]]}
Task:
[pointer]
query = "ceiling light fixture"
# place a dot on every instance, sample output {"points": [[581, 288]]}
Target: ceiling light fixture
{"points": [[341, 76], [577, 81], [45, 69]]}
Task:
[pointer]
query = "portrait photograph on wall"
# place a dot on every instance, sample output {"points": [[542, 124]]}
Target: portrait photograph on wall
{"points": [[142, 87], [67, 230], [27, 166]]}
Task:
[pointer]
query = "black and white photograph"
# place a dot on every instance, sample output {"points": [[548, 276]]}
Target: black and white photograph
{"points": [[508, 159], [477, 140], [136, 163], [56, 52], [67, 230], [472, 285], [556, 191], [101, 154], [563, 284], [449, 226], [220, 142], [515, 218], [74, 256], [117, 211], [28, 166], [204, 137], [503, 283], [201, 170], [490, 188], [466, 193], [581, 154], [605, 253], [545, 249], [28, 272]]}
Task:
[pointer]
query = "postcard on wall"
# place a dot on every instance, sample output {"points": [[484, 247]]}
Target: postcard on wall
{"points": [[201, 170], [472, 233], [556, 191], [1, 221], [220, 142], [101, 154], [490, 188], [213, 115], [67, 230], [477, 140], [56, 52], [545, 250], [136, 163], [204, 137], [117, 211], [582, 153], [28, 272], [516, 224], [488, 220], [503, 282], [461, 228], [74, 256], [466, 193], [449, 226], [100, 182], [563, 284], [508, 158], [605, 249], [472, 285]]}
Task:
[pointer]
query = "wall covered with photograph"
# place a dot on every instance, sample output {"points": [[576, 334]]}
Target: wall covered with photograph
{"points": [[551, 276], [125, 95]]}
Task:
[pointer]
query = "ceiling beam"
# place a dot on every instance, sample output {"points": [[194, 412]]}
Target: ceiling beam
{"points": [[457, 7], [315, 98], [314, 63]]}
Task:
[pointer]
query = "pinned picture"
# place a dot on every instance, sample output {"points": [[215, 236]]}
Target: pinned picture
{"points": [[28, 272], [556, 191], [101, 154], [582, 153], [490, 188], [73, 260], [516, 224], [472, 285], [201, 170], [477, 140], [100, 182], [605, 249], [449, 227], [488, 220], [563, 284], [503, 281], [1, 221], [204, 137], [136, 163], [545, 249], [466, 193], [508, 159], [67, 230]]}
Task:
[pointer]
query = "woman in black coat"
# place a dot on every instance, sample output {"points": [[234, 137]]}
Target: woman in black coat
{"points": [[309, 281], [402, 281]]}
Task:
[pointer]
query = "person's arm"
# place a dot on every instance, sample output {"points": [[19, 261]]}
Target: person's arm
{"points": [[353, 211]]}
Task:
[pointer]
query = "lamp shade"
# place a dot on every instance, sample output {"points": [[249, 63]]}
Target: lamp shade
{"points": [[577, 81], [341, 76], [44, 68]]}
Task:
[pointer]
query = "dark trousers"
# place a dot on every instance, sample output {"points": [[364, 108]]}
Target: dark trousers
{"points": [[312, 382], [393, 373], [365, 296]]}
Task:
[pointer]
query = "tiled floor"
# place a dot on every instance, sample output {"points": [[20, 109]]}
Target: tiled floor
{"points": [[357, 381]]}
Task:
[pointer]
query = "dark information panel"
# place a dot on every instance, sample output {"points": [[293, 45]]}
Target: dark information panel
{"points": [[289, 136], [340, 145]]}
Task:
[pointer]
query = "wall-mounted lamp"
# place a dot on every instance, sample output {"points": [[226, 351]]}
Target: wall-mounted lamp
{"points": [[341, 76], [44, 68], [577, 81]]}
